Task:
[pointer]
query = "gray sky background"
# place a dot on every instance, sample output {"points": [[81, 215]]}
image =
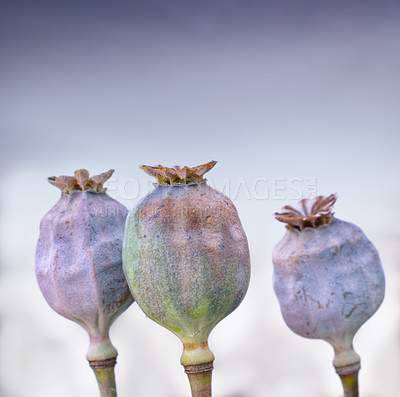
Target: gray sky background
{"points": [[272, 90]]}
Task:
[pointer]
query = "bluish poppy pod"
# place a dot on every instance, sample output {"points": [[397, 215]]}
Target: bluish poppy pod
{"points": [[186, 259], [79, 264], [328, 279]]}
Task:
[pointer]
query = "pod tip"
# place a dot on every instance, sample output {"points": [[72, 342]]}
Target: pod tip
{"points": [[178, 175], [81, 181], [308, 212]]}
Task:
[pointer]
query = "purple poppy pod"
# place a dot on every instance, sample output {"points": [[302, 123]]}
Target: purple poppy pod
{"points": [[79, 265], [328, 279]]}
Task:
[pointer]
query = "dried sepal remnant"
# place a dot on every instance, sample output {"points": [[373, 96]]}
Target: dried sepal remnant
{"points": [[178, 175], [308, 212], [81, 181]]}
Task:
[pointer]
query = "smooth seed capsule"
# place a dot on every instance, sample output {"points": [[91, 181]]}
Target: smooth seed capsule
{"points": [[328, 279]]}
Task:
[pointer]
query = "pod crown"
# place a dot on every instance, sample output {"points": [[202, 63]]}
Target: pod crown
{"points": [[308, 212], [81, 181], [177, 175]]}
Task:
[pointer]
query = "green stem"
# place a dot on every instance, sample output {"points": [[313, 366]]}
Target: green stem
{"points": [[197, 358], [102, 357], [347, 365], [104, 372], [350, 384], [200, 383]]}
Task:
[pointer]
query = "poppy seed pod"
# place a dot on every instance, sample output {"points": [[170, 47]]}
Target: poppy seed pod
{"points": [[328, 279], [186, 258], [79, 265]]}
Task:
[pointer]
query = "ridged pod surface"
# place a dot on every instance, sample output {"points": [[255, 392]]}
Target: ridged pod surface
{"points": [[79, 260], [328, 278], [186, 258]]}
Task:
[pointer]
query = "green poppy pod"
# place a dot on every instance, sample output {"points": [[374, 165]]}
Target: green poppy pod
{"points": [[186, 259]]}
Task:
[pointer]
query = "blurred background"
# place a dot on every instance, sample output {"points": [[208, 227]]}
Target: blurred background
{"points": [[293, 98]]}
